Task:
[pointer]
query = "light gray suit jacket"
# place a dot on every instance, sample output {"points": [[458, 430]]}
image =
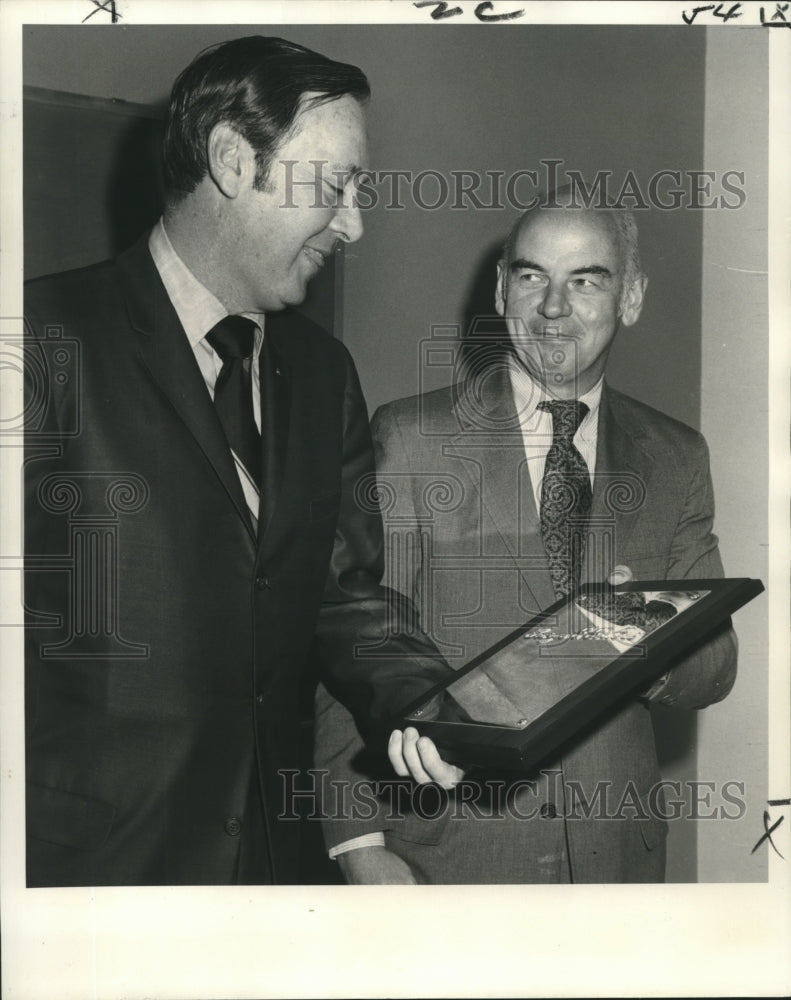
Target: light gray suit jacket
{"points": [[464, 541]]}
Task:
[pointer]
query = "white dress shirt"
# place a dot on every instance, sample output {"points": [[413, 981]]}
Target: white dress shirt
{"points": [[537, 425], [199, 311]]}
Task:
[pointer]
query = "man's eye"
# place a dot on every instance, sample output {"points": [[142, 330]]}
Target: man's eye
{"points": [[530, 277]]}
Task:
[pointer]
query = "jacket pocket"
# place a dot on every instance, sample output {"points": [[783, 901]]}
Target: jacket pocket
{"points": [[67, 819], [654, 829], [424, 821]]}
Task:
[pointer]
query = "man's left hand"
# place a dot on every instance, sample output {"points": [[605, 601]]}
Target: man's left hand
{"points": [[414, 755]]}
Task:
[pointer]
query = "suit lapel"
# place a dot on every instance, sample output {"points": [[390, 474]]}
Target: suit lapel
{"points": [[166, 353], [623, 469], [496, 469], [491, 442]]}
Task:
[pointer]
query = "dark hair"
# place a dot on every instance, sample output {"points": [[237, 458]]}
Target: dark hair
{"points": [[256, 85]]}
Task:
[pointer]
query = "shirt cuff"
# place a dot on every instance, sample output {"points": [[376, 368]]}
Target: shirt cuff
{"points": [[656, 689], [366, 840]]}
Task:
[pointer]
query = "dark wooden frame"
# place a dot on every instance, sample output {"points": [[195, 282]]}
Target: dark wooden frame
{"points": [[625, 676]]}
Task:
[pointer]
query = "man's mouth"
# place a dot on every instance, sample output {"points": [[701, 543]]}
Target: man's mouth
{"points": [[317, 257], [548, 331]]}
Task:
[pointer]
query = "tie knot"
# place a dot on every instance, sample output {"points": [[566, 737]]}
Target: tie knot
{"points": [[233, 337], [567, 415]]}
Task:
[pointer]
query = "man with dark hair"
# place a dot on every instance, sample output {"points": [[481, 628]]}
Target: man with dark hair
{"points": [[202, 502], [506, 446], [257, 85]]}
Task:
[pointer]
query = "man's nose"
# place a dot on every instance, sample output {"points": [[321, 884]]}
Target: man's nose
{"points": [[555, 302], [347, 221]]}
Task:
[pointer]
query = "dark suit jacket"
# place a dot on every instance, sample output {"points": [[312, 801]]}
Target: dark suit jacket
{"points": [[463, 541], [166, 641]]}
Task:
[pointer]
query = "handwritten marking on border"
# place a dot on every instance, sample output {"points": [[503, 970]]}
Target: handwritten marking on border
{"points": [[105, 6], [769, 830]]}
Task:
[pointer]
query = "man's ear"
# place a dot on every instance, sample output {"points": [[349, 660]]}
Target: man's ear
{"points": [[632, 300], [230, 159], [499, 294]]}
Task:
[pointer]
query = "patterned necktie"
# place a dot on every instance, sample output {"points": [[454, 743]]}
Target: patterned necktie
{"points": [[233, 338], [565, 496]]}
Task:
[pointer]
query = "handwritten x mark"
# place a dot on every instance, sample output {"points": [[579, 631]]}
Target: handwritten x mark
{"points": [[769, 830], [108, 6]]}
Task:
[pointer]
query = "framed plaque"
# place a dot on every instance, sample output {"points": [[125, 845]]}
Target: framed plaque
{"points": [[542, 684]]}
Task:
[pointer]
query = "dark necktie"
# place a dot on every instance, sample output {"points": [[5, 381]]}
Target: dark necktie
{"points": [[233, 338], [565, 496]]}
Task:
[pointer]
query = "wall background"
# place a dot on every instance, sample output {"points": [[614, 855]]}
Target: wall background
{"points": [[734, 418], [453, 97], [448, 97]]}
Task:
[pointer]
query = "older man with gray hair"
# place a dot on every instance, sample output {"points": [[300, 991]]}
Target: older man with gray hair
{"points": [[501, 549]]}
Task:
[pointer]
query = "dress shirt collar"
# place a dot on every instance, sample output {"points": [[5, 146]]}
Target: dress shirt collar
{"points": [[528, 394], [196, 307]]}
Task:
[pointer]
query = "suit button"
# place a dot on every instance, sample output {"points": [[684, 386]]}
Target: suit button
{"points": [[548, 811], [259, 699], [263, 582], [233, 826]]}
